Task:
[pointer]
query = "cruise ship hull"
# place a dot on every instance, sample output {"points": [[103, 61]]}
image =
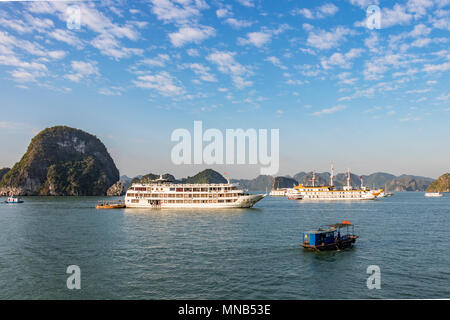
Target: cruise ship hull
{"points": [[247, 201]]}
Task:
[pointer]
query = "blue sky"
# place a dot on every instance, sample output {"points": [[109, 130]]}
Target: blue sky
{"points": [[372, 100]]}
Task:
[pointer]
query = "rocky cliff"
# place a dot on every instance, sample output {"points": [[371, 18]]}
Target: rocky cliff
{"points": [[442, 184], [62, 161]]}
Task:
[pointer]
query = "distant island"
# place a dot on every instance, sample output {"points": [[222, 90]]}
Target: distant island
{"points": [[64, 161], [442, 184], [61, 161], [376, 180]]}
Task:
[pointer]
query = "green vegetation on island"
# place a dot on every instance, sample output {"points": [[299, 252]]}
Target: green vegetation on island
{"points": [[62, 161], [442, 184], [206, 176]]}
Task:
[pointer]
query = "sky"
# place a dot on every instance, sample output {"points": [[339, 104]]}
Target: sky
{"points": [[368, 99]]}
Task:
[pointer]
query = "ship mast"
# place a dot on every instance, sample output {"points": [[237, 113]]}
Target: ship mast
{"points": [[332, 176], [348, 177], [362, 182], [314, 178]]}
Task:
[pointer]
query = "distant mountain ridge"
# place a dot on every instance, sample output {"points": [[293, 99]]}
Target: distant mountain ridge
{"points": [[375, 180], [263, 182]]}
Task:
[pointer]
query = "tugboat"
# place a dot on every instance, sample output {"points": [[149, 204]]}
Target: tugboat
{"points": [[14, 199], [330, 237]]}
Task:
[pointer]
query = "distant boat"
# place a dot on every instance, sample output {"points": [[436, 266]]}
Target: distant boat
{"points": [[278, 192], [433, 194], [331, 237], [330, 193], [110, 204], [14, 199], [293, 194]]}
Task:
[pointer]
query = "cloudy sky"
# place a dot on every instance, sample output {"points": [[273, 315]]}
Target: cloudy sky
{"points": [[368, 99]]}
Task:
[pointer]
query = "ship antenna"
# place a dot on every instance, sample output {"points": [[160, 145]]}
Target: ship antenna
{"points": [[332, 176], [226, 177], [348, 177]]}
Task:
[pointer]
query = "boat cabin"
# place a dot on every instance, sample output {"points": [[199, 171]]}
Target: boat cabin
{"points": [[330, 237]]}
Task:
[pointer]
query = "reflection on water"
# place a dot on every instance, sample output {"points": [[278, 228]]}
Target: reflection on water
{"points": [[223, 253]]}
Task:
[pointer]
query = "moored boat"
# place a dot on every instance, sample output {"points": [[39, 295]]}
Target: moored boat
{"points": [[330, 237], [433, 194], [14, 199], [293, 194], [330, 193], [162, 193], [110, 204]]}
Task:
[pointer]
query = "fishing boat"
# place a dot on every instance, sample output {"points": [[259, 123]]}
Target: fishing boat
{"points": [[433, 194], [14, 199], [330, 237], [102, 204]]}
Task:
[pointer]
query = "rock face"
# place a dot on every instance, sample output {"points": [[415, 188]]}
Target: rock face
{"points": [[442, 184], [284, 182], [117, 189], [3, 172], [62, 161]]}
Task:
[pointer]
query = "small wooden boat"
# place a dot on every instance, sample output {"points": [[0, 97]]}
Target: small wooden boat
{"points": [[110, 204], [331, 237], [14, 199]]}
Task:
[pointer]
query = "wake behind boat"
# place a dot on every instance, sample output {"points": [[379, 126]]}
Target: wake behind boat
{"points": [[161, 193]]}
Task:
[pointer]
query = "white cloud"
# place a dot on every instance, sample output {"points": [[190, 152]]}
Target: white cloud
{"points": [[81, 70], [437, 67], [66, 37], [325, 10], [258, 39], [224, 12], [202, 71], [158, 61], [179, 12], [238, 24], [322, 39], [227, 64], [443, 97], [341, 60], [363, 4], [246, 3], [113, 91], [330, 110], [162, 82], [186, 35], [276, 62], [109, 46], [396, 15], [344, 78], [193, 52]]}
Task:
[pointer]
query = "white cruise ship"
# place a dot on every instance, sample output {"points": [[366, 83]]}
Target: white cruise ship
{"points": [[330, 193], [161, 193]]}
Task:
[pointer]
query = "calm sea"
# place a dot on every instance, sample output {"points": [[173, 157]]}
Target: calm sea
{"points": [[223, 254]]}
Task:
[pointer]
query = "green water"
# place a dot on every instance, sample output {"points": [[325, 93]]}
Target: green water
{"points": [[223, 254]]}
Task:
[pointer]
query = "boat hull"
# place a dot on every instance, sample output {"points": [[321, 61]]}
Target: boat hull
{"points": [[338, 245], [243, 202]]}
